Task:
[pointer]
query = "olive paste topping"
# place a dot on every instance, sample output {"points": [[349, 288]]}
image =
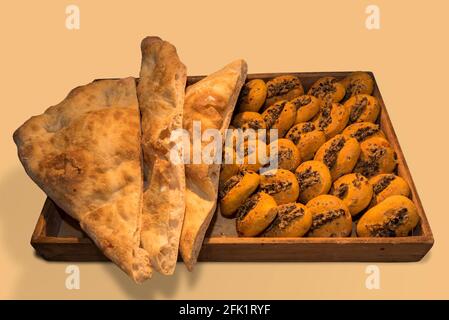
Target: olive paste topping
{"points": [[357, 110], [383, 183], [278, 88], [230, 183], [342, 191], [295, 133], [307, 178], [285, 154], [273, 113], [324, 88], [307, 127], [370, 166], [355, 87], [325, 116], [365, 132], [285, 214], [248, 205], [357, 182], [388, 227], [331, 153], [302, 101], [276, 187], [321, 219]]}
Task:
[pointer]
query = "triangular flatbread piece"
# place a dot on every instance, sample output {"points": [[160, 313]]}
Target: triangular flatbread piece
{"points": [[161, 99], [85, 154], [211, 101]]}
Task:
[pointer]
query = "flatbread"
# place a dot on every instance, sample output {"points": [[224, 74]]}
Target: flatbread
{"points": [[85, 154], [211, 101], [160, 92]]}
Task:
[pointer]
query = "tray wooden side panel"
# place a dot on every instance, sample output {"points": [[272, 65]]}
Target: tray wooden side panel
{"points": [[57, 237]]}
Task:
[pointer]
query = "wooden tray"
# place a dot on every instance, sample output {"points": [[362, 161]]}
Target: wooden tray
{"points": [[57, 237]]}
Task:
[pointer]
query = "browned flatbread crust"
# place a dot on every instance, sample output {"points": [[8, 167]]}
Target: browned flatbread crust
{"points": [[161, 99], [211, 101], [85, 154]]}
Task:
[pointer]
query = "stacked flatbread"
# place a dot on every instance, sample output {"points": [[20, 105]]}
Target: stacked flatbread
{"points": [[103, 156]]}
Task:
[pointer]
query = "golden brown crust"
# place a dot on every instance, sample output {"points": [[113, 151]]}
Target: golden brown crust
{"points": [[396, 216], [211, 101], [284, 87], [85, 154], [161, 101], [330, 217], [339, 154]]}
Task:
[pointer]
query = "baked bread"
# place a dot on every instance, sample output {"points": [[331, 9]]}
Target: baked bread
{"points": [[307, 107], [284, 87], [314, 179], [85, 154], [363, 108], [291, 220], [339, 154], [328, 89], [161, 100], [211, 101], [386, 185], [255, 214], [249, 120], [355, 191], [280, 184], [332, 119], [330, 217], [252, 97], [396, 216], [235, 191], [289, 157], [307, 138], [376, 156], [363, 130], [357, 83], [281, 116], [253, 156]]}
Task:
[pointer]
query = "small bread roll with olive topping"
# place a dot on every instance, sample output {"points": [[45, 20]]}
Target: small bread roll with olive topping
{"points": [[386, 185], [363, 108], [280, 115], [328, 89], [280, 184], [291, 220], [289, 157], [252, 96], [249, 120], [234, 192], [363, 130], [314, 179], [377, 156], [255, 214], [330, 217], [307, 139], [255, 155], [307, 107], [354, 190], [339, 154], [357, 83], [332, 119], [285, 87], [396, 216]]}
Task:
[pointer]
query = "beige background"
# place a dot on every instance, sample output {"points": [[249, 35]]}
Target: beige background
{"points": [[41, 61]]}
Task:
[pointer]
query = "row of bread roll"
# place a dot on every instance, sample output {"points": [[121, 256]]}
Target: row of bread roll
{"points": [[265, 204]]}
